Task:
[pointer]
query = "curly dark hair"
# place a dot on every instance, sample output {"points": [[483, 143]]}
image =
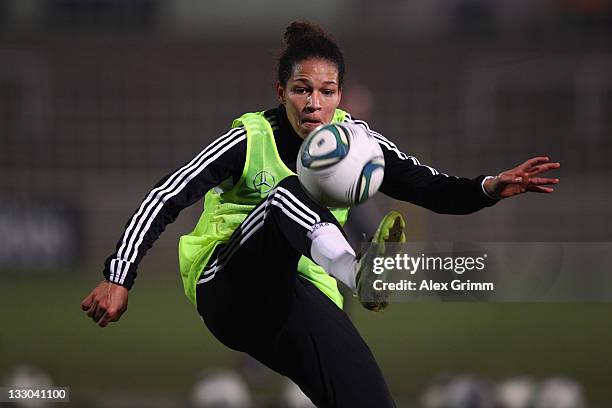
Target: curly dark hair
{"points": [[306, 40]]}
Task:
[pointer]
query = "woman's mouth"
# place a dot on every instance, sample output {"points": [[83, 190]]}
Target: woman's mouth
{"points": [[311, 123]]}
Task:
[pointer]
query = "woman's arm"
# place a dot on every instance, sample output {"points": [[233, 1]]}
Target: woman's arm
{"points": [[222, 159], [407, 179]]}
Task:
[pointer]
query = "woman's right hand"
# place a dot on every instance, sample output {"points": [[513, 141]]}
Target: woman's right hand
{"points": [[106, 303]]}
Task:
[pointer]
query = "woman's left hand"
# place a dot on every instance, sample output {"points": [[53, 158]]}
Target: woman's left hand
{"points": [[522, 179]]}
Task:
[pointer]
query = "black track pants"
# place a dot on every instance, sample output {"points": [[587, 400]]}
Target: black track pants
{"points": [[254, 301]]}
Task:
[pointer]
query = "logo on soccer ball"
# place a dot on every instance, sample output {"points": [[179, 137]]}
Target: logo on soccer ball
{"points": [[264, 182], [340, 165]]}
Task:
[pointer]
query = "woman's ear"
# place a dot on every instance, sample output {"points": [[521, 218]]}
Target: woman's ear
{"points": [[280, 92]]}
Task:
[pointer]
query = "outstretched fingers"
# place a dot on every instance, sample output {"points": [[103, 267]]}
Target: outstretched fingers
{"points": [[543, 181], [540, 189], [534, 162], [528, 165], [541, 168]]}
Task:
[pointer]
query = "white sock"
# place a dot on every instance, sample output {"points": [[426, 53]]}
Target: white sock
{"points": [[331, 250]]}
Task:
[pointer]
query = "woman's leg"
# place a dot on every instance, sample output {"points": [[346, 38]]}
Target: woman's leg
{"points": [[255, 302], [324, 354]]}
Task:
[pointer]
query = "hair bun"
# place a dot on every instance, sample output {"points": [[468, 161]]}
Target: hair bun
{"points": [[304, 40], [300, 30]]}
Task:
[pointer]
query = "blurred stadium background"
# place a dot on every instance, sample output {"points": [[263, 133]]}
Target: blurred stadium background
{"points": [[101, 98]]}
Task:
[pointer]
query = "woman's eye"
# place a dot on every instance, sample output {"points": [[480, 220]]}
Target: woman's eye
{"points": [[299, 90], [328, 92]]}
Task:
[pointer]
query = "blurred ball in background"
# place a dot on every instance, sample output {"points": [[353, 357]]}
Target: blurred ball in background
{"points": [[293, 397], [515, 393], [559, 393], [29, 377], [222, 389], [458, 392]]}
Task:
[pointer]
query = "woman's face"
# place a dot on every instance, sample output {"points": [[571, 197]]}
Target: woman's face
{"points": [[311, 95]]}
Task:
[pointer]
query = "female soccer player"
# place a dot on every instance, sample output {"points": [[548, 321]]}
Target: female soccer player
{"points": [[248, 265]]}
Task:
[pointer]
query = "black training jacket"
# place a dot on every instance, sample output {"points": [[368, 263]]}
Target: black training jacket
{"points": [[223, 160]]}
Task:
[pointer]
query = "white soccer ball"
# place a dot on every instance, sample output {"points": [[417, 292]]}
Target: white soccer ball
{"points": [[559, 393], [223, 389], [340, 165]]}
